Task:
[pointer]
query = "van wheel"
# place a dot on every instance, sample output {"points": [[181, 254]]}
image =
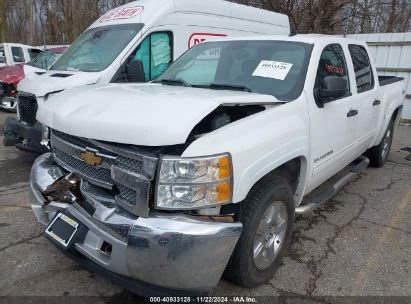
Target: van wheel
{"points": [[267, 215], [378, 154]]}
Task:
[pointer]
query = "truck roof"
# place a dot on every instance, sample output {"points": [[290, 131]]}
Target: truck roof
{"points": [[305, 38], [143, 11], [18, 45]]}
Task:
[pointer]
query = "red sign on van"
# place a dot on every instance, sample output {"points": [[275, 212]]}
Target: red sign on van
{"points": [[197, 38], [122, 13]]}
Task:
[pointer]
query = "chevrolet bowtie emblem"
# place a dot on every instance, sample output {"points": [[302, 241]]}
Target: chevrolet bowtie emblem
{"points": [[91, 158]]}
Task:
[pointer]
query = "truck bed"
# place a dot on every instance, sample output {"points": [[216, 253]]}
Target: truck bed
{"points": [[385, 80]]}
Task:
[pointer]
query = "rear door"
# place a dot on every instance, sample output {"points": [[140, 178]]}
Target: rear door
{"points": [[366, 94], [332, 125]]}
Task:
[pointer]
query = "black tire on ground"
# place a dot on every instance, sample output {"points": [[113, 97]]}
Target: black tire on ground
{"points": [[242, 268], [378, 154]]}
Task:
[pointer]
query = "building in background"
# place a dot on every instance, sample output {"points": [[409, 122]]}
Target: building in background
{"points": [[392, 56]]}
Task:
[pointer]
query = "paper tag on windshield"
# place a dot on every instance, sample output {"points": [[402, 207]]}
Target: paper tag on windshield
{"points": [[273, 69]]}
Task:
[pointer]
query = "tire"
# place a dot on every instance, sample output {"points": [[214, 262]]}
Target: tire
{"points": [[244, 268], [378, 154]]}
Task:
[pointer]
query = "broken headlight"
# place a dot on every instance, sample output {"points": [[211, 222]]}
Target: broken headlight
{"points": [[194, 183]]}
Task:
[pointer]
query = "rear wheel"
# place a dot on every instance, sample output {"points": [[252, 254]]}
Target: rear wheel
{"points": [[267, 216], [378, 154]]}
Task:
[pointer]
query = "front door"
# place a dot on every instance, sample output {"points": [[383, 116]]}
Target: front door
{"points": [[333, 124]]}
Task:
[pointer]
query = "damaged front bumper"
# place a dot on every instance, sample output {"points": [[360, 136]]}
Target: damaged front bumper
{"points": [[24, 137], [162, 254]]}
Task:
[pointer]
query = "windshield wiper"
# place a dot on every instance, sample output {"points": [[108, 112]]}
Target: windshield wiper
{"points": [[221, 86], [174, 82]]}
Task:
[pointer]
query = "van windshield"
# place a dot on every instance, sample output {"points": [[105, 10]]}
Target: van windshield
{"points": [[275, 68], [97, 48]]}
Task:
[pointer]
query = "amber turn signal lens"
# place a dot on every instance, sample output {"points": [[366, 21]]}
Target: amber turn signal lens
{"points": [[223, 193], [224, 167]]}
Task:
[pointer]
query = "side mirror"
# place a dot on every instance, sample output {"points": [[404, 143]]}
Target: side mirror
{"points": [[332, 87], [135, 71]]}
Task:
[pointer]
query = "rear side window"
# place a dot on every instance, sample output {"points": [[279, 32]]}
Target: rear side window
{"points": [[362, 67], [332, 63], [33, 53], [155, 51], [18, 55]]}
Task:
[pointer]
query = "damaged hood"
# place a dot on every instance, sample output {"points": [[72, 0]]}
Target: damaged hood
{"points": [[137, 114], [56, 81]]}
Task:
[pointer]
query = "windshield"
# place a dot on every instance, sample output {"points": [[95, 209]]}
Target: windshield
{"points": [[44, 60], [97, 48], [275, 68]]}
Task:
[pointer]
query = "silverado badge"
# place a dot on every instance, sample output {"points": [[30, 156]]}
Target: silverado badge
{"points": [[91, 158]]}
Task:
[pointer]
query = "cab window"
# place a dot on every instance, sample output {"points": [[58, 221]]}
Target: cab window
{"points": [[155, 52], [362, 68], [332, 63], [18, 55]]}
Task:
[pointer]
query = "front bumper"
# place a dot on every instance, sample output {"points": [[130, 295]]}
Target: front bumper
{"points": [[24, 137], [162, 254]]}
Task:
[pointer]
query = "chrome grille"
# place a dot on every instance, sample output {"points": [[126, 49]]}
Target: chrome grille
{"points": [[78, 141], [128, 163], [67, 150], [27, 108], [96, 174], [127, 194]]}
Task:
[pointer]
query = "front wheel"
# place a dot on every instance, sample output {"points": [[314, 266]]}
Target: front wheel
{"points": [[267, 216], [378, 154]]}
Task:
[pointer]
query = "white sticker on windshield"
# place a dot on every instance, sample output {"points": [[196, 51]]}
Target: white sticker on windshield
{"points": [[273, 69]]}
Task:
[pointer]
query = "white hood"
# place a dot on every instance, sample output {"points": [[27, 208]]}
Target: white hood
{"points": [[55, 81], [137, 114]]}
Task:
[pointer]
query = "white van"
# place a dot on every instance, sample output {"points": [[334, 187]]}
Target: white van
{"points": [[15, 53], [151, 32]]}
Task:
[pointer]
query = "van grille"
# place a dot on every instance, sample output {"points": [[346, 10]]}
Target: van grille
{"points": [[27, 105]]}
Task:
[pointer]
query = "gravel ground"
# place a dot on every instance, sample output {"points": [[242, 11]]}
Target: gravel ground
{"points": [[357, 244]]}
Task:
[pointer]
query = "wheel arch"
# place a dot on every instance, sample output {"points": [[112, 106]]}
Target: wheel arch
{"points": [[294, 170], [396, 115]]}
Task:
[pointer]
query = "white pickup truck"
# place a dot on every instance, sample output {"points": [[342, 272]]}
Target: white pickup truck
{"points": [[164, 186], [16, 53]]}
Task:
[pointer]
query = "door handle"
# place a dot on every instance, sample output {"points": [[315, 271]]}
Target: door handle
{"points": [[352, 113], [376, 102]]}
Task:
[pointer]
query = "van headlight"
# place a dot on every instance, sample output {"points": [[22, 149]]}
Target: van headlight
{"points": [[194, 183]]}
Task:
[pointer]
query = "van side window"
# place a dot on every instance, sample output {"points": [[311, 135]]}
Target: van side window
{"points": [[155, 51], [18, 55], [332, 63], [362, 67]]}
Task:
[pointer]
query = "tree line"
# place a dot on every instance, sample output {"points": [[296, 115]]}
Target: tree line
{"points": [[38, 22]]}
